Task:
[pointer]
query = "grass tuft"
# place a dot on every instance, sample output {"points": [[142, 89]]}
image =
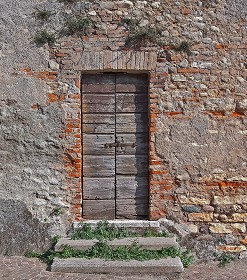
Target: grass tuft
{"points": [[44, 37], [225, 258], [78, 26], [143, 36], [105, 230], [43, 15], [124, 253], [129, 23], [183, 47]]}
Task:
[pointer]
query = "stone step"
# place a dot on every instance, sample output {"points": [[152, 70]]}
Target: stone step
{"points": [[150, 243], [132, 225], [168, 266]]}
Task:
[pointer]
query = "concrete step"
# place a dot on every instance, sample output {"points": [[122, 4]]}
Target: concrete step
{"points": [[168, 266], [150, 243], [132, 225]]}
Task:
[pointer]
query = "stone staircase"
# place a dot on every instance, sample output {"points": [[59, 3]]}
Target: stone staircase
{"points": [[169, 268], [149, 243]]}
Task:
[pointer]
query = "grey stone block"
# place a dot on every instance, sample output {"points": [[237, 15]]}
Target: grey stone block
{"points": [[77, 265], [135, 224], [20, 231], [150, 243]]}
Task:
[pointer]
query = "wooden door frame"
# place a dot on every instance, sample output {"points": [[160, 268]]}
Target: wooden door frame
{"points": [[161, 182], [148, 114]]}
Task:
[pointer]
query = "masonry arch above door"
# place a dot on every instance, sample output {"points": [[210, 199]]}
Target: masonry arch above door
{"points": [[115, 146]]}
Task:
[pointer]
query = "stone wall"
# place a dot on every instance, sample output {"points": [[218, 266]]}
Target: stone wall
{"points": [[198, 69]]}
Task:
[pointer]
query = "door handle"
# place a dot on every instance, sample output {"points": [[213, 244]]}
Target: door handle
{"points": [[110, 145], [126, 145]]}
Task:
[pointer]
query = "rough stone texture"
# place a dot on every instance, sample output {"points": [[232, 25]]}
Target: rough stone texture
{"points": [[150, 243], [19, 230], [165, 267], [31, 165], [212, 149], [197, 103]]}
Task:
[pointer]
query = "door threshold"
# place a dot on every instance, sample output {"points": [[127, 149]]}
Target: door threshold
{"points": [[122, 223]]}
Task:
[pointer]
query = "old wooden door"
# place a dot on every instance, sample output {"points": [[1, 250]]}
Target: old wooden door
{"points": [[115, 146]]}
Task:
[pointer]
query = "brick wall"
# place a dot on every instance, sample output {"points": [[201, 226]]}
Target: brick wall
{"points": [[198, 102]]}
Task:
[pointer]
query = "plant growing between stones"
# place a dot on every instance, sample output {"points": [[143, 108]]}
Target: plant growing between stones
{"points": [[140, 36], [225, 258], [150, 233], [105, 251], [55, 239], [137, 37], [44, 37], [129, 23], [78, 26], [106, 231], [56, 211], [183, 47], [43, 15], [47, 256], [143, 36]]}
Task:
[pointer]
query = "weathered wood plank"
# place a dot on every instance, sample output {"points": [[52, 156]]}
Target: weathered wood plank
{"points": [[98, 103], [131, 103], [131, 88], [99, 188], [140, 140], [98, 166], [131, 83], [131, 123], [98, 83], [131, 187], [132, 165], [132, 79], [95, 144], [98, 123], [99, 209], [101, 88], [131, 208]]}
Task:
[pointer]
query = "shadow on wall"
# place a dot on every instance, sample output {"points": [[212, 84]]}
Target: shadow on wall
{"points": [[19, 231]]}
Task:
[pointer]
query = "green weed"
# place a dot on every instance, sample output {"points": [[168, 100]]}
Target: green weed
{"points": [[47, 256], [224, 259], [183, 47], [143, 36], [56, 211], [134, 252], [124, 253], [150, 233], [43, 15], [186, 257], [103, 232], [44, 37], [107, 231], [55, 239], [78, 26], [129, 23], [31, 254]]}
